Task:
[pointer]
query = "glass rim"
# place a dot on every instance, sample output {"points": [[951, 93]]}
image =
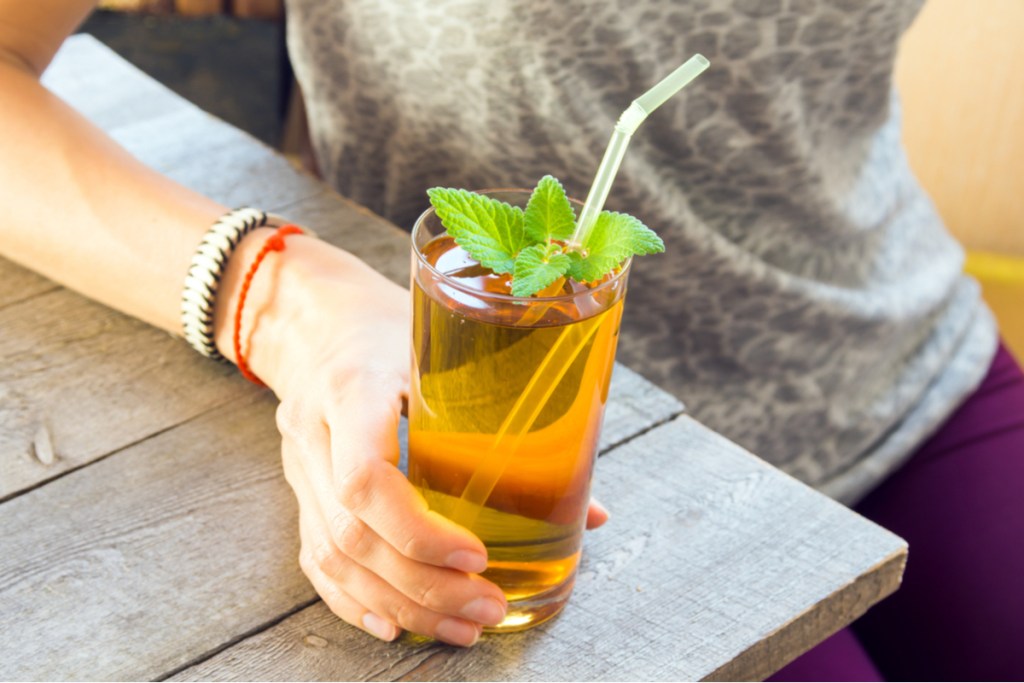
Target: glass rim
{"points": [[508, 298]]}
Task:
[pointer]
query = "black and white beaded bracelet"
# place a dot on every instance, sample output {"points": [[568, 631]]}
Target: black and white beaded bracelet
{"points": [[205, 272]]}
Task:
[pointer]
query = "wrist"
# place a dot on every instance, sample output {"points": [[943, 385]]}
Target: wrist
{"points": [[260, 322], [295, 299]]}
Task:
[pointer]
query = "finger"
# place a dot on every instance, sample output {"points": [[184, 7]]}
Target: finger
{"points": [[337, 599], [333, 575], [364, 438], [351, 611], [446, 591], [597, 514], [443, 591]]}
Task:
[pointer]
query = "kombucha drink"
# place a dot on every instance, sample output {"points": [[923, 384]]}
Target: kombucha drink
{"points": [[505, 411]]}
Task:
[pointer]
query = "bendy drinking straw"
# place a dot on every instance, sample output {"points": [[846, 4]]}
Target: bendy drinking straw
{"points": [[627, 124], [565, 350]]}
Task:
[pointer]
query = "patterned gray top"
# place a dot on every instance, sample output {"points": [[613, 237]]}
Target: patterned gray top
{"points": [[810, 306]]}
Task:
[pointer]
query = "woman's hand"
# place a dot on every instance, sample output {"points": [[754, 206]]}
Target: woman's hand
{"points": [[332, 341]]}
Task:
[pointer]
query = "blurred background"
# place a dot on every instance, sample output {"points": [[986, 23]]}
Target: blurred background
{"points": [[227, 56], [958, 73]]}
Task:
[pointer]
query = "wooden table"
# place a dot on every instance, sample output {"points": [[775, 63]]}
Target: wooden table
{"points": [[148, 532]]}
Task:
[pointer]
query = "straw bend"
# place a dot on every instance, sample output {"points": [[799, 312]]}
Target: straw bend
{"points": [[627, 124], [631, 118]]}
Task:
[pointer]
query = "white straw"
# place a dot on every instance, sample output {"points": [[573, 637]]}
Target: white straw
{"points": [[627, 124]]}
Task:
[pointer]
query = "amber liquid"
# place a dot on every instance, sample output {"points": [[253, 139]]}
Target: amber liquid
{"points": [[507, 400]]}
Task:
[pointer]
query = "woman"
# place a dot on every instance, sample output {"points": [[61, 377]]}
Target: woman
{"points": [[810, 305]]}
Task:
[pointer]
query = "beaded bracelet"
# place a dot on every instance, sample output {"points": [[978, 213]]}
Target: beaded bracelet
{"points": [[204, 274]]}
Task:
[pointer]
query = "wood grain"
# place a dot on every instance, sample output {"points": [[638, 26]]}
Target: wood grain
{"points": [[95, 380], [156, 555], [634, 406], [711, 556], [214, 158]]}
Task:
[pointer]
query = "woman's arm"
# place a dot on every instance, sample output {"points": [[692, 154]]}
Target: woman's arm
{"points": [[332, 341], [75, 197]]}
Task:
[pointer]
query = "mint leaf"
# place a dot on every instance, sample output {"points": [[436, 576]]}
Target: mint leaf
{"points": [[505, 239], [614, 238], [537, 267], [580, 269], [549, 215], [490, 231]]}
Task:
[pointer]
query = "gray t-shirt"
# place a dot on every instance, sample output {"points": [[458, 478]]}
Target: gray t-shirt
{"points": [[810, 305]]}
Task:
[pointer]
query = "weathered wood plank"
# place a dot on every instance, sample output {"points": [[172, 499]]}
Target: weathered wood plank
{"points": [[132, 563], [356, 229], [711, 556], [80, 380], [634, 405], [139, 563], [214, 158], [106, 89]]}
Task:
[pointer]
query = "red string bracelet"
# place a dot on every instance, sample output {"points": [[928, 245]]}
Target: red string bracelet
{"points": [[274, 243]]}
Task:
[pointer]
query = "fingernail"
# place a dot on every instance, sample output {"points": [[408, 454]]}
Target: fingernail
{"points": [[379, 627], [484, 611], [457, 632], [601, 508], [467, 561]]}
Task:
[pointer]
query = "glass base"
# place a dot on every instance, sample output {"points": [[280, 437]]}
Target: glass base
{"points": [[535, 610]]}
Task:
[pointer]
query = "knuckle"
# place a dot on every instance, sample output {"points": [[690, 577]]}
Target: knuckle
{"points": [[321, 556], [406, 615], [414, 547], [290, 418], [350, 534], [307, 560], [372, 379], [340, 385], [354, 485], [430, 595]]}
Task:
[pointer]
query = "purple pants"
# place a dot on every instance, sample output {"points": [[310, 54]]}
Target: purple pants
{"points": [[959, 503]]}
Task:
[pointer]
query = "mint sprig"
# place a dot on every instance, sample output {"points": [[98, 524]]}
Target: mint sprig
{"points": [[530, 245]]}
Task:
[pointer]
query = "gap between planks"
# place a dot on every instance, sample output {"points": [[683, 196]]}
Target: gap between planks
{"points": [[270, 623], [104, 456]]}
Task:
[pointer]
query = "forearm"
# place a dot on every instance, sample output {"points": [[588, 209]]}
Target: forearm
{"points": [[81, 210]]}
